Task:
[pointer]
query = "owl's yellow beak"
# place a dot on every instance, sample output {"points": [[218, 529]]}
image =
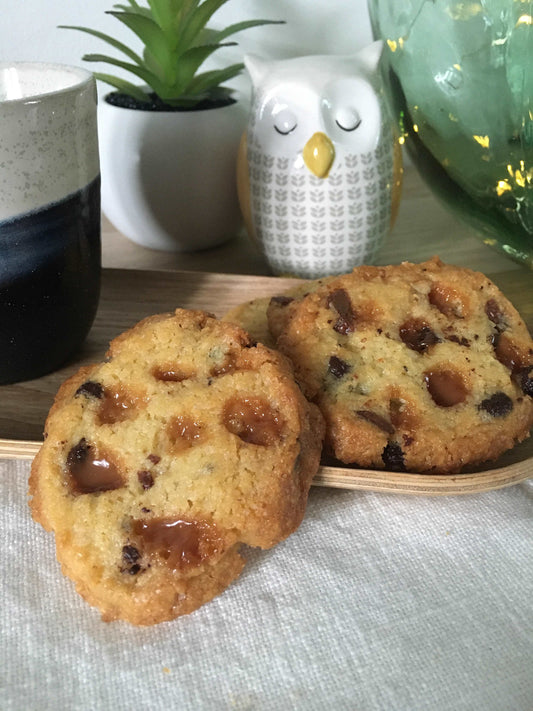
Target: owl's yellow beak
{"points": [[319, 154]]}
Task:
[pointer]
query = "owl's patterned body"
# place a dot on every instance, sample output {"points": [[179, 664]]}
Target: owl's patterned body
{"points": [[321, 166], [312, 226]]}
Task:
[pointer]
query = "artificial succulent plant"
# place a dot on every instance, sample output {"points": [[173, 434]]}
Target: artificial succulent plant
{"points": [[176, 43]]}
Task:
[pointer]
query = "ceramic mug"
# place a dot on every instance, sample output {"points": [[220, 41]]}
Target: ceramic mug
{"points": [[50, 250]]}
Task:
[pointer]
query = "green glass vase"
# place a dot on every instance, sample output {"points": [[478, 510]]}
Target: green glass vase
{"points": [[461, 80]]}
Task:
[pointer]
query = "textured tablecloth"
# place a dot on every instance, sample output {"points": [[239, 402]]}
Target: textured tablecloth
{"points": [[376, 602]]}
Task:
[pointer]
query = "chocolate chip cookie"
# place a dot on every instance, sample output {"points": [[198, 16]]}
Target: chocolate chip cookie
{"points": [[190, 440], [263, 318], [415, 367], [252, 317]]}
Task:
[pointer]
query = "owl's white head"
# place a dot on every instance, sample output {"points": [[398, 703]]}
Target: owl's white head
{"points": [[315, 108]]}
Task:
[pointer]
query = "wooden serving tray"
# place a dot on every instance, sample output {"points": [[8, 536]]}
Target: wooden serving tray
{"points": [[129, 295]]}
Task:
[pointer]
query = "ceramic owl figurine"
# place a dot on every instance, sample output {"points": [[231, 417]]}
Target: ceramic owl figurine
{"points": [[319, 169]]}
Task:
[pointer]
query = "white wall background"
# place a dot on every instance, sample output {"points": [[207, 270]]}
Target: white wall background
{"points": [[29, 32]]}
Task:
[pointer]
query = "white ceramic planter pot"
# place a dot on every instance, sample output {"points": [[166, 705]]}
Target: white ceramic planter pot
{"points": [[168, 178]]}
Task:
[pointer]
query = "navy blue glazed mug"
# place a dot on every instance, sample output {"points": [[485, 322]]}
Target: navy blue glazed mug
{"points": [[50, 249]]}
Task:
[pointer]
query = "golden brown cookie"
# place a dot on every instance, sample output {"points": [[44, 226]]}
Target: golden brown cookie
{"points": [[252, 317], [415, 367], [280, 307], [263, 318], [158, 463]]}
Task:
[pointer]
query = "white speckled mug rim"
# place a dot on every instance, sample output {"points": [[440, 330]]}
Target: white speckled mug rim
{"points": [[48, 141], [78, 78]]}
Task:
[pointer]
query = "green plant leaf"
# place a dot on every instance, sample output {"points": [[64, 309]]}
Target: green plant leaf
{"points": [[240, 26], [123, 86], [196, 22], [142, 72], [110, 40], [191, 101], [209, 80], [152, 64], [183, 10], [135, 9], [150, 34], [176, 42], [163, 12], [190, 61]]}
